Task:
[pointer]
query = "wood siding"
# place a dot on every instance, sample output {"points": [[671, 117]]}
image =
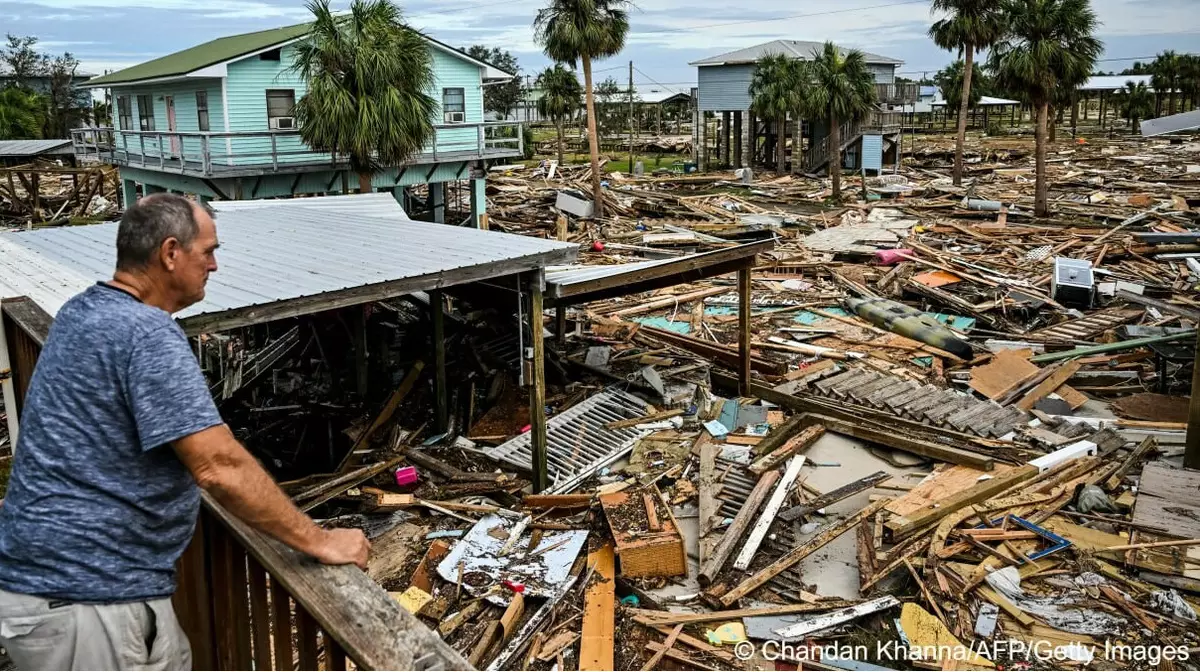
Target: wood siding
{"points": [[727, 87], [184, 95]]}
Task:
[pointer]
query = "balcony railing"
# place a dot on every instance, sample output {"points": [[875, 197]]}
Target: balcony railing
{"points": [[218, 154], [899, 92]]}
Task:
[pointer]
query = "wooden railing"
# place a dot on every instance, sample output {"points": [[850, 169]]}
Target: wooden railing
{"points": [[212, 154], [876, 122], [245, 600], [898, 92]]}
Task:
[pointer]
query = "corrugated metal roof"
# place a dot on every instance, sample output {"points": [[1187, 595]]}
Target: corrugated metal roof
{"points": [[1113, 82], [984, 101], [33, 147], [379, 204], [793, 48], [1175, 123], [279, 251]]}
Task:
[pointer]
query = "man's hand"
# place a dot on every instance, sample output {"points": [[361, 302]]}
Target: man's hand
{"points": [[342, 547]]}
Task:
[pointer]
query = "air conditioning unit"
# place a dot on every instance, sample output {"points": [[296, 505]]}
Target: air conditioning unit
{"points": [[282, 123], [455, 117]]}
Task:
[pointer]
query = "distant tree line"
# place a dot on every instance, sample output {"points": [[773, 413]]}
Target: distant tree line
{"points": [[37, 94]]}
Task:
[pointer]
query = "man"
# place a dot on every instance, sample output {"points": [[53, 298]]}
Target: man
{"points": [[119, 434]]}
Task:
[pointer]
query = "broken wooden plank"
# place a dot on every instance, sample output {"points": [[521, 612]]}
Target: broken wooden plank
{"points": [[666, 647], [821, 621], [902, 525], [653, 417], [772, 458], [659, 618], [834, 496], [1050, 384], [599, 612], [556, 501], [1006, 372], [734, 532], [690, 663], [782, 489], [818, 540]]}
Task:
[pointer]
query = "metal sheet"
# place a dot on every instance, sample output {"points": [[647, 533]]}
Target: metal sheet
{"points": [[577, 442], [34, 147], [275, 251]]}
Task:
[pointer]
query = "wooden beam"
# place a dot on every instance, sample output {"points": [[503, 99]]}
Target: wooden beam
{"points": [[663, 649], [744, 307], [722, 353], [835, 496], [783, 488], [599, 612], [903, 525], [655, 618], [1050, 384], [734, 532], [437, 315], [707, 487], [817, 541], [772, 457], [537, 389]]}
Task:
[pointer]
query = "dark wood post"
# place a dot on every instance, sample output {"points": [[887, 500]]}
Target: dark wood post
{"points": [[438, 317], [537, 389], [744, 331]]}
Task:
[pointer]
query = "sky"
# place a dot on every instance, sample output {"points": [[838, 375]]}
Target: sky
{"points": [[664, 34]]}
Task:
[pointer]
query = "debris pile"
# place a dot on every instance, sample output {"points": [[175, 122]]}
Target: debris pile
{"points": [[43, 193]]}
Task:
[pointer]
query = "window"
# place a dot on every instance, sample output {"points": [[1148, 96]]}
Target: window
{"points": [[454, 106], [271, 55], [145, 113], [124, 116], [280, 106], [202, 110]]}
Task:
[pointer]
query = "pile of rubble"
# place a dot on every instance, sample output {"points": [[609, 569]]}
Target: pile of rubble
{"points": [[962, 447]]}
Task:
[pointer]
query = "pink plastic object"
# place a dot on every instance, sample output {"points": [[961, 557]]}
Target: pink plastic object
{"points": [[889, 257], [406, 476], [597, 246]]}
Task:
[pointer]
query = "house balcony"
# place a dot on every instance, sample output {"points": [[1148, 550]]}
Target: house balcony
{"points": [[900, 93], [239, 154]]}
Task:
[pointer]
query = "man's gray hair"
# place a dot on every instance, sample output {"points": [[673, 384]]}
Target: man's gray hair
{"points": [[152, 220]]}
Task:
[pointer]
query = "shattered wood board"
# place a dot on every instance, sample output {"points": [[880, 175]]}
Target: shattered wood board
{"points": [[851, 239], [647, 543], [1007, 370], [1183, 520], [1161, 560], [1164, 480], [926, 632], [940, 485], [392, 551], [578, 443], [1083, 328], [542, 571]]}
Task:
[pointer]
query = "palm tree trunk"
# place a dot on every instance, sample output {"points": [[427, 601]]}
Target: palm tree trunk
{"points": [[1040, 206], [1170, 102], [1051, 124], [781, 145], [364, 183], [835, 156], [558, 125], [593, 145], [963, 108]]}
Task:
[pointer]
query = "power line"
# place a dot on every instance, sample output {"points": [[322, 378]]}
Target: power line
{"points": [[652, 80]]}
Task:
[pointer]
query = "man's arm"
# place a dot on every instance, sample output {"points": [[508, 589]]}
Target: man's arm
{"points": [[227, 471]]}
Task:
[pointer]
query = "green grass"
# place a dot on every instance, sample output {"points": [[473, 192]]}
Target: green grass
{"points": [[620, 163]]}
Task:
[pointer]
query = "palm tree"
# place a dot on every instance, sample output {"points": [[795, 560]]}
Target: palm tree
{"points": [[776, 89], [1049, 44], [841, 90], [560, 98], [1189, 75], [1135, 103], [1164, 76], [584, 30], [21, 113], [367, 76], [971, 25], [949, 81]]}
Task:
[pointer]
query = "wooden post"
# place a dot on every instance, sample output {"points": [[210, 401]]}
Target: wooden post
{"points": [[437, 316], [560, 326], [537, 391], [744, 331], [8, 393], [1191, 456], [358, 328]]}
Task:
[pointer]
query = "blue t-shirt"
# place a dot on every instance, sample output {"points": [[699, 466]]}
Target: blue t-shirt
{"points": [[99, 507]]}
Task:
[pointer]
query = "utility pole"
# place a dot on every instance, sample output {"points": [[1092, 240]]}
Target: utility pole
{"points": [[631, 117]]}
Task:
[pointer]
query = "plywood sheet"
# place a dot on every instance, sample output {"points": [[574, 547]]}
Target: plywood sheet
{"points": [[1183, 520], [1007, 370], [599, 612], [1170, 482], [939, 485]]}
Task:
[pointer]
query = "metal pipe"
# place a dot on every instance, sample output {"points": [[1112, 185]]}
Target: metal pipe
{"points": [[1110, 347]]}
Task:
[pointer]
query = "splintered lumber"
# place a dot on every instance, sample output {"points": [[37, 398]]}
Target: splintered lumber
{"points": [[660, 650], [672, 300], [666, 647], [556, 501], [782, 489], [1050, 384], [773, 457], [727, 355], [633, 422], [661, 618], [687, 640], [894, 439], [903, 525], [835, 496], [735, 531], [817, 541], [821, 621], [708, 501], [1009, 608], [599, 614], [1148, 445]]}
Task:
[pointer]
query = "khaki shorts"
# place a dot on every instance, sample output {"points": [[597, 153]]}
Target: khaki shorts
{"points": [[41, 634]]}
